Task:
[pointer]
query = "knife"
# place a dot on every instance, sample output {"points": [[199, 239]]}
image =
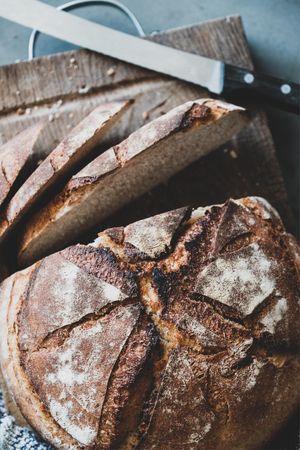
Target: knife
{"points": [[219, 78]]}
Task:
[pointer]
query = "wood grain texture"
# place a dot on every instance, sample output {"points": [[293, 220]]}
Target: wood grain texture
{"points": [[67, 86]]}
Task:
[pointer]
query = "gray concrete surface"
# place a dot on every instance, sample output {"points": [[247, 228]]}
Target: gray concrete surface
{"points": [[272, 28]]}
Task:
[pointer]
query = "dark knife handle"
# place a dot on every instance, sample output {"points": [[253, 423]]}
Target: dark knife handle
{"points": [[239, 83]]}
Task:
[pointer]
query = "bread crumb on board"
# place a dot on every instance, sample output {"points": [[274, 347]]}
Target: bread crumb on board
{"points": [[110, 72]]}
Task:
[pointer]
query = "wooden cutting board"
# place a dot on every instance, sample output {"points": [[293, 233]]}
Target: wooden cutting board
{"points": [[65, 87]]}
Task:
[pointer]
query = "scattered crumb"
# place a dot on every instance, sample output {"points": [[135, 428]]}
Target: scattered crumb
{"points": [[83, 89], [18, 92], [111, 72], [58, 103], [71, 115], [233, 154], [28, 111], [20, 111], [73, 63], [55, 114], [145, 115]]}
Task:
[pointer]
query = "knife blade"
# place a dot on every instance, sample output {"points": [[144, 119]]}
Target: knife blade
{"points": [[217, 77]]}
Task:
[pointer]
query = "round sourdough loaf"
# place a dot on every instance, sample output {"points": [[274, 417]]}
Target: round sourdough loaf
{"points": [[176, 332]]}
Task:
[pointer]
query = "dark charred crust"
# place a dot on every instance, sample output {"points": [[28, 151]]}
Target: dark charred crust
{"points": [[103, 263], [204, 232], [133, 254], [146, 415], [237, 242], [164, 283], [192, 245], [236, 221], [181, 229], [159, 363], [197, 113], [116, 234]]}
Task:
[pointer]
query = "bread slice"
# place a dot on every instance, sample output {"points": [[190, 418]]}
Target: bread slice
{"points": [[176, 332], [146, 158], [64, 159], [15, 156]]}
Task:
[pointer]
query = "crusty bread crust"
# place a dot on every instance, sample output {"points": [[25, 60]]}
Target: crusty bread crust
{"points": [[11, 167], [146, 158], [177, 332], [60, 163]]}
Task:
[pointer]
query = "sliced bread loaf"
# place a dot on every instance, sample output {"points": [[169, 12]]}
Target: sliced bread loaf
{"points": [[146, 158], [15, 155], [62, 161]]}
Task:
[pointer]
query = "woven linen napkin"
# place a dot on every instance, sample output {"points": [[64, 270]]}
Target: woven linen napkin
{"points": [[13, 437]]}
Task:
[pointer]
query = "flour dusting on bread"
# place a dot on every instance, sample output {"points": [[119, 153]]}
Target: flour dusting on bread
{"points": [[241, 280]]}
